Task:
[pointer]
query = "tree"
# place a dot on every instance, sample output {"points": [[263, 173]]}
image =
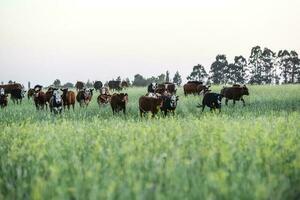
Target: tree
{"points": [[295, 67], [236, 72], [219, 70], [167, 76], [57, 83], [68, 85], [139, 80], [161, 78], [268, 68], [89, 84], [198, 74], [256, 65], [128, 81], [289, 66], [177, 79], [284, 64]]}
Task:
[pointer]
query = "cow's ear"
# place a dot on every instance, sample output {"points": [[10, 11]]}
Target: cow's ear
{"points": [[208, 86], [92, 89], [177, 98]]}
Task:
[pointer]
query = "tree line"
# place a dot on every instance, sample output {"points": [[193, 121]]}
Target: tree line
{"points": [[263, 66]]}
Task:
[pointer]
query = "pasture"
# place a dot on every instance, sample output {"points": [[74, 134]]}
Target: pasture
{"points": [[250, 152]]}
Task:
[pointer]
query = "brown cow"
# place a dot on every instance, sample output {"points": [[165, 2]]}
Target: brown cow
{"points": [[8, 88], [103, 99], [161, 89], [79, 85], [234, 93], [84, 96], [118, 102], [194, 87], [49, 94], [170, 87], [150, 104], [40, 100], [68, 98]]}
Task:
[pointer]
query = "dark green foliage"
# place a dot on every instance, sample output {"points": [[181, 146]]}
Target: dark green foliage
{"points": [[236, 72], [289, 65], [68, 85], [219, 70], [57, 83], [167, 76], [198, 74], [177, 79]]}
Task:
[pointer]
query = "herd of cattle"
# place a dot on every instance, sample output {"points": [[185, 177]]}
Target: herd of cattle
{"points": [[159, 97]]}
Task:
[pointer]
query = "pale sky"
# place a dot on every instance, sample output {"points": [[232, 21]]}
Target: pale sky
{"points": [[41, 40]]}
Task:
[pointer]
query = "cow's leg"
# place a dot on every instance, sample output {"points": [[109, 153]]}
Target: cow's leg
{"points": [[165, 112], [141, 113], [124, 110], [244, 104], [233, 102], [226, 101], [203, 106]]}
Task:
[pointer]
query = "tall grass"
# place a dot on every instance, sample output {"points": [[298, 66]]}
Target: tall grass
{"points": [[250, 152]]}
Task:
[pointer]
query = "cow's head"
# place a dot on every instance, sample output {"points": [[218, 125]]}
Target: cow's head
{"points": [[88, 93], [205, 90], [124, 97], [23, 91], [2, 92], [154, 86], [173, 101], [245, 90], [57, 97], [104, 90], [219, 101]]}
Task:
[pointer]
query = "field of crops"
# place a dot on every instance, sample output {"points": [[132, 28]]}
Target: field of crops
{"points": [[250, 152]]}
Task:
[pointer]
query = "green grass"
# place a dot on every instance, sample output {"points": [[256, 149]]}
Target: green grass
{"points": [[250, 152]]}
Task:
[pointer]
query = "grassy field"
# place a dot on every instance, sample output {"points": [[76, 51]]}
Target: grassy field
{"points": [[250, 152]]}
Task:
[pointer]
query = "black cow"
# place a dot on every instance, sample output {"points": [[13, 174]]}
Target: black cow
{"points": [[212, 100], [38, 88], [98, 85], [152, 87], [30, 93], [17, 95], [115, 85], [3, 98], [149, 104], [169, 103], [56, 102]]}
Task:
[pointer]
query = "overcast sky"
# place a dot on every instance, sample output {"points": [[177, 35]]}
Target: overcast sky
{"points": [[41, 40]]}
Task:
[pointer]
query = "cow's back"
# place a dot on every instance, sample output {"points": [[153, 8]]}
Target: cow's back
{"points": [[70, 97]]}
